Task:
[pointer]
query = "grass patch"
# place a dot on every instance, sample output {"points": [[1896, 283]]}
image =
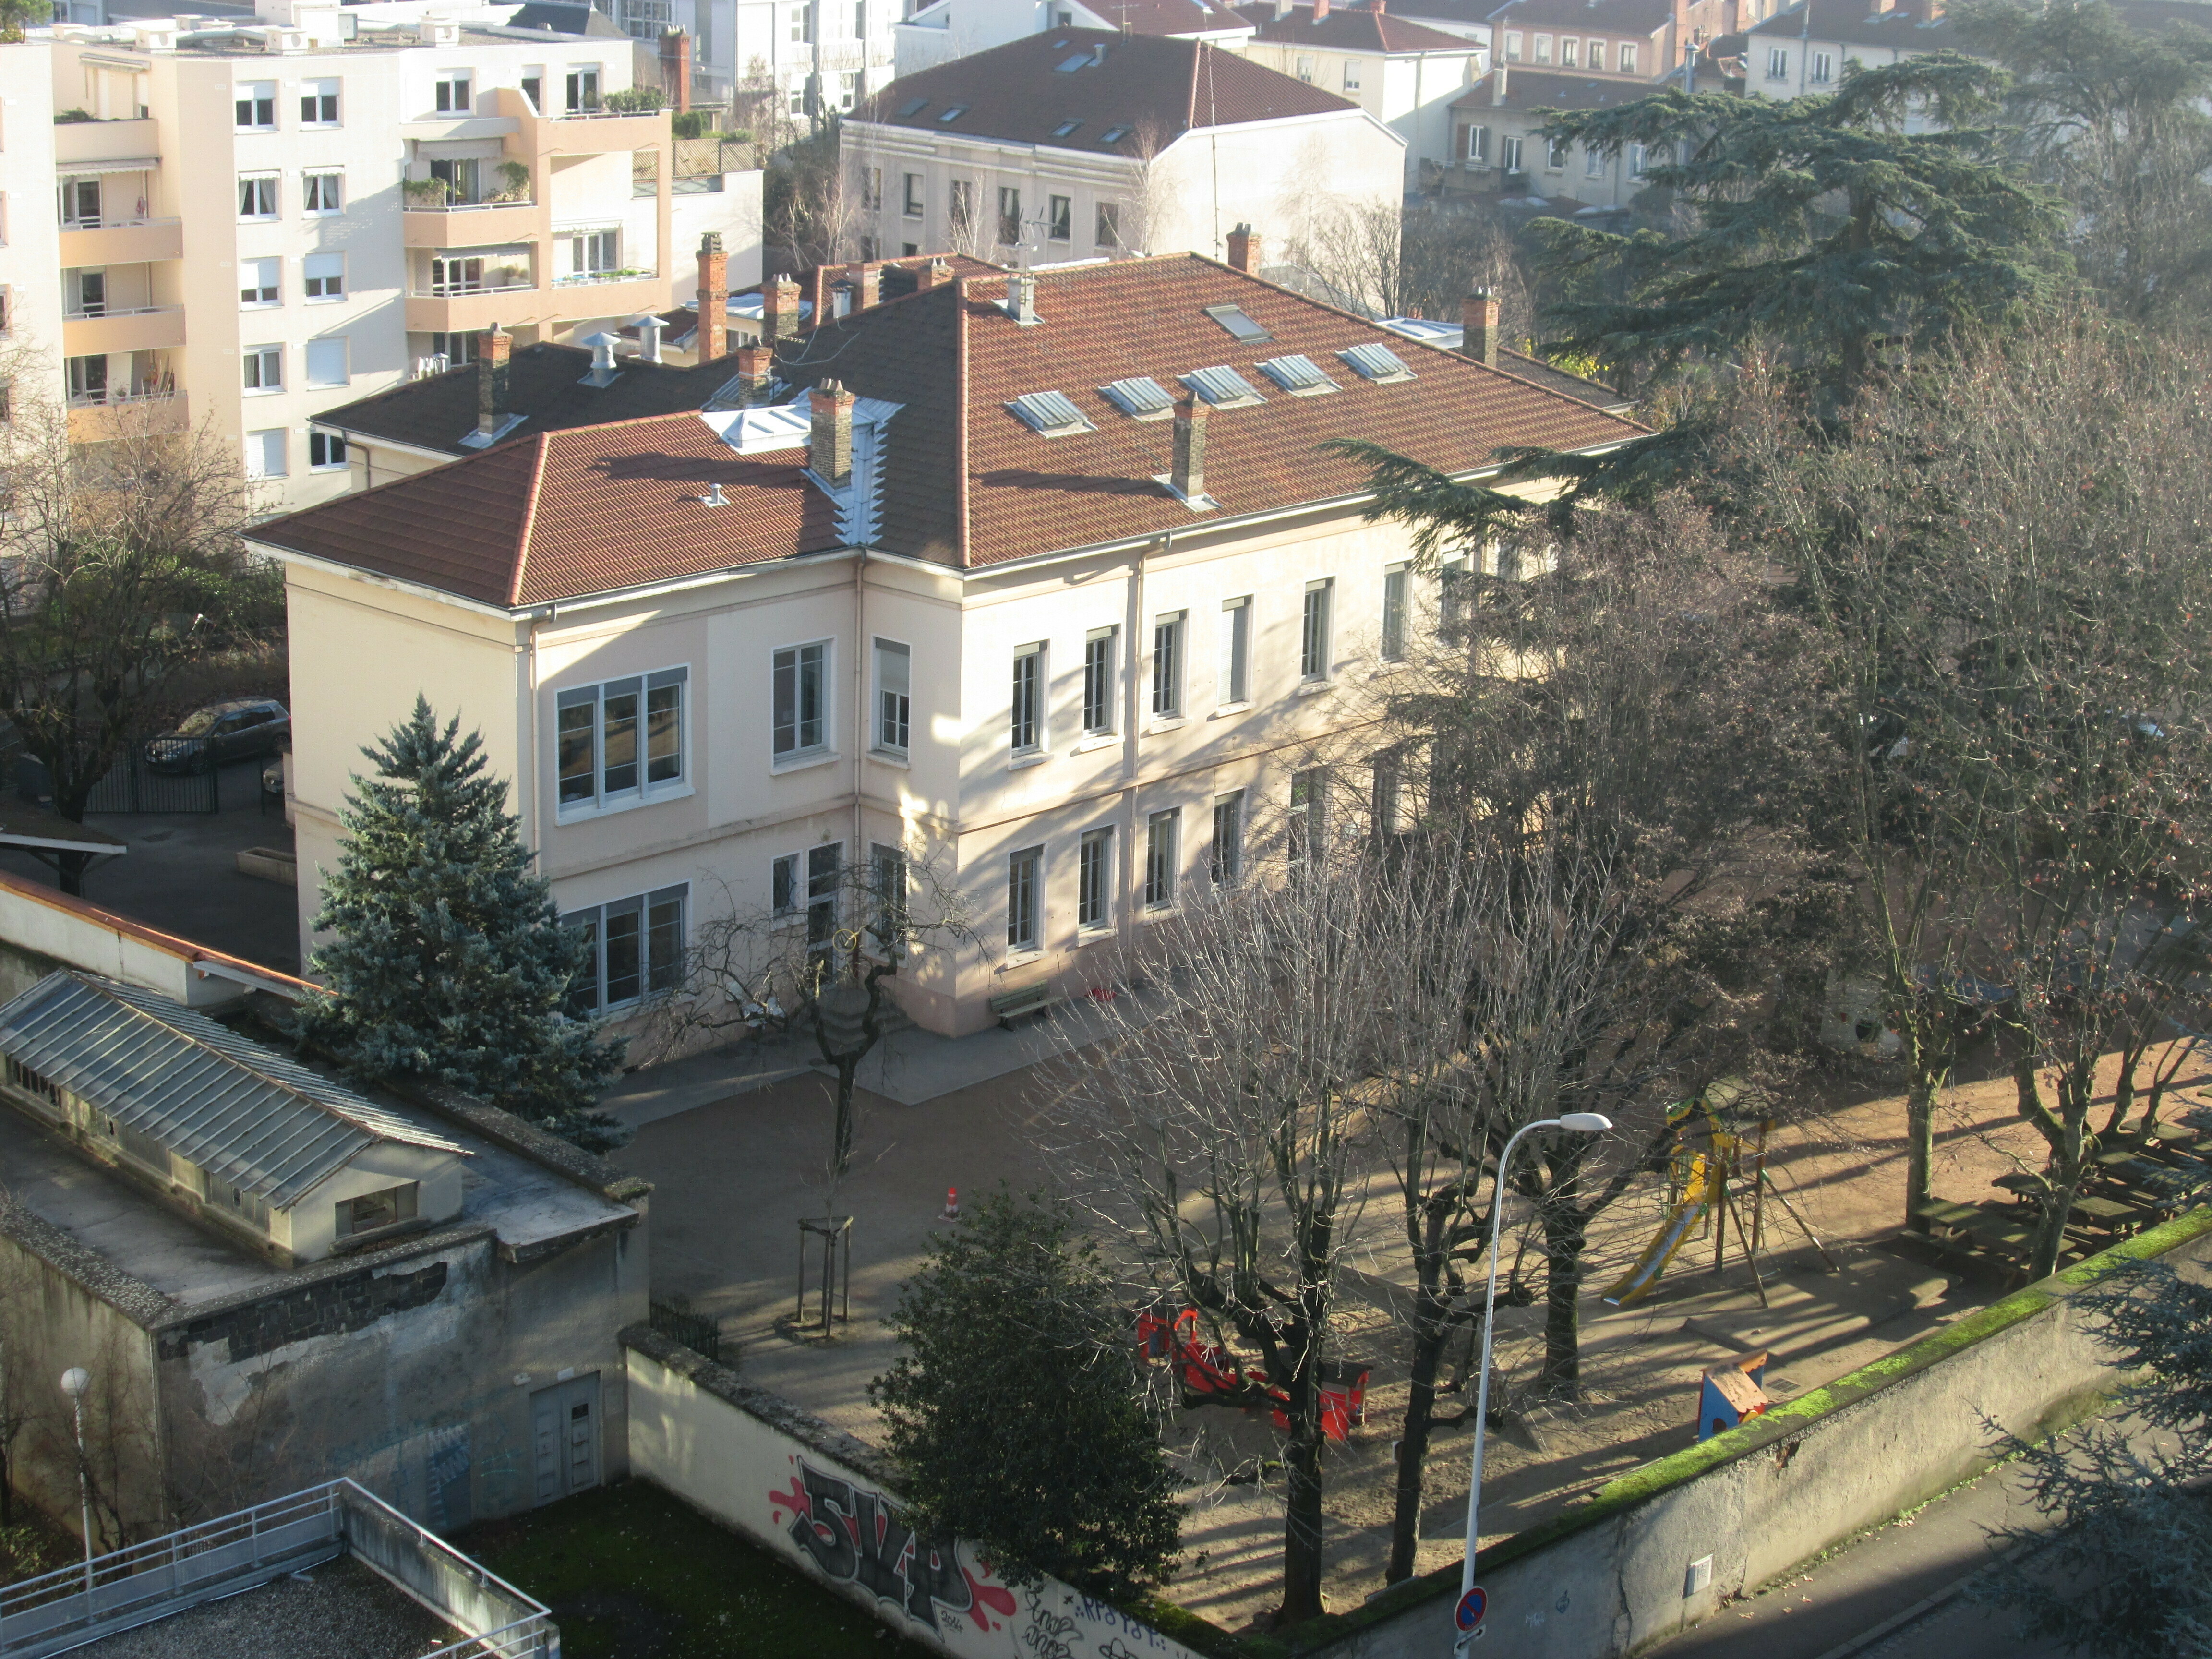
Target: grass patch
{"points": [[631, 1572]]}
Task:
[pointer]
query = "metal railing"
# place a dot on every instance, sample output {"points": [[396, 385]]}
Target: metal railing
{"points": [[584, 277], [458, 290], [84, 316], [470, 207]]}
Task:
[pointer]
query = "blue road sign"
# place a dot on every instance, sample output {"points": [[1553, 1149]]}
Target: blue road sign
{"points": [[1472, 1607]]}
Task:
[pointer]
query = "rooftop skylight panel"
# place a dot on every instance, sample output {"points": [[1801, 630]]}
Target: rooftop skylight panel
{"points": [[1065, 128], [1069, 65], [1113, 135], [1141, 397], [1223, 387], [952, 114], [1233, 318], [913, 106], [1049, 413], [1376, 362], [1298, 375]]}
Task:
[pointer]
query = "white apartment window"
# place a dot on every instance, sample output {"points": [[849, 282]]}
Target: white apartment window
{"points": [[1478, 144], [621, 741], [1060, 218], [1313, 631], [912, 205], [80, 203], [1512, 45], [783, 886], [258, 282], [1099, 659], [1571, 53], [1025, 718], [322, 192], [1642, 158], [1555, 154], [800, 701], [1397, 582], [87, 378], [1167, 665], [1227, 861], [257, 196], [456, 348], [633, 947], [1094, 879], [1543, 48], [1161, 834], [326, 362], [1306, 69], [848, 88], [1627, 58], [583, 87], [1106, 228], [264, 368], [894, 702], [327, 451], [90, 291], [319, 103], [1778, 64], [1236, 681], [800, 23], [892, 882], [1023, 870], [1593, 163], [1597, 55], [1822, 68], [1307, 824], [825, 872], [798, 98], [1390, 814], [325, 275], [533, 85], [454, 92], [594, 253], [1508, 154], [1010, 216], [1352, 74], [264, 454], [256, 106]]}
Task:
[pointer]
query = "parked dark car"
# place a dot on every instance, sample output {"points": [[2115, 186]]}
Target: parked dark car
{"points": [[220, 731]]}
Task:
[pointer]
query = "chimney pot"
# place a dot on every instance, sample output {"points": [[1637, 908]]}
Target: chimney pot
{"points": [[1187, 474], [713, 339], [1021, 298], [1244, 248], [493, 349], [648, 339], [779, 310], [867, 282], [830, 444], [755, 373], [1478, 330]]}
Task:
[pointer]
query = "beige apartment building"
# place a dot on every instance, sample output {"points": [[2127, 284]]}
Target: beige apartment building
{"points": [[1042, 579], [260, 221]]}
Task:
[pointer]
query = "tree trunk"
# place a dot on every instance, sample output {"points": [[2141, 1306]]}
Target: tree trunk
{"points": [[1564, 1235], [1919, 1140], [2065, 1176], [1302, 1526], [848, 1068], [1432, 1329]]}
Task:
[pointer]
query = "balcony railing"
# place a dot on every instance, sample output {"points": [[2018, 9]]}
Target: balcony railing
{"points": [[120, 399], [472, 207], [87, 313], [455, 290], [585, 279]]}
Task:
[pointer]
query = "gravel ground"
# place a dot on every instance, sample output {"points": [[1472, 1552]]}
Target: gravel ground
{"points": [[343, 1612]]}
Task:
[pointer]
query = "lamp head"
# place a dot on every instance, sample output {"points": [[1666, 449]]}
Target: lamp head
{"points": [[1585, 1123], [75, 1381]]}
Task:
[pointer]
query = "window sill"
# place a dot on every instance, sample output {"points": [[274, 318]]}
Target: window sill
{"points": [[802, 762], [260, 304], [1102, 934], [1022, 763], [1165, 723], [324, 300], [1020, 958], [891, 758], [1096, 740], [582, 812], [1308, 688], [263, 392], [1228, 709]]}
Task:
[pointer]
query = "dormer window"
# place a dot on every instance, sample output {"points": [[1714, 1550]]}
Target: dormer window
{"points": [[1223, 387], [1298, 375], [1140, 398], [1233, 318], [1050, 413], [1378, 363]]}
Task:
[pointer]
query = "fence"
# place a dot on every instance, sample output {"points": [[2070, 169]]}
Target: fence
{"points": [[133, 786], [696, 1331]]}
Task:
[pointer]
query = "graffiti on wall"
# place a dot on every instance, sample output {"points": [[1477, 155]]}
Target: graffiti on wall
{"points": [[854, 1535]]}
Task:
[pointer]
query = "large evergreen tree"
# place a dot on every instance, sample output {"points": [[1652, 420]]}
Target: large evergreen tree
{"points": [[448, 959]]}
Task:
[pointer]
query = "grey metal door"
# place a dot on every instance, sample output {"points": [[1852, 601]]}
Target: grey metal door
{"points": [[565, 1437]]}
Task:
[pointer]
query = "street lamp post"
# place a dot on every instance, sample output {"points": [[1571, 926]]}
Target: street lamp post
{"points": [[1585, 1123], [75, 1381]]}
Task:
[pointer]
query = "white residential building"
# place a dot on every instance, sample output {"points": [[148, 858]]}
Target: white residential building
{"points": [[941, 30], [30, 297], [807, 58]]}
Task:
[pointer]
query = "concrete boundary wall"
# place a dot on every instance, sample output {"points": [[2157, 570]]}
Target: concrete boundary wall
{"points": [[1615, 1575], [822, 1500]]}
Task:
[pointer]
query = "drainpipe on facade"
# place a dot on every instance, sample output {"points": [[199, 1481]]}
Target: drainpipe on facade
{"points": [[861, 650], [1125, 914]]}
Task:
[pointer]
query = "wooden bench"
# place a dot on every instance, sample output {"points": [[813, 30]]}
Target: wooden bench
{"points": [[1036, 999]]}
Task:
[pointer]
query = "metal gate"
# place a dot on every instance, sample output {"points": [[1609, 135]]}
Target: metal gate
{"points": [[132, 786]]}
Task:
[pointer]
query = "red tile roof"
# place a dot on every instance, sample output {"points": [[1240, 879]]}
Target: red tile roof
{"points": [[1151, 89], [964, 482], [1351, 28]]}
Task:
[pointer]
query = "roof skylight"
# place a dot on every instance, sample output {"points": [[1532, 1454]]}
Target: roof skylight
{"points": [[1050, 413], [1069, 65], [1065, 128], [1233, 318], [1376, 362], [1299, 375], [952, 114], [1140, 398], [914, 107], [1113, 135], [1223, 387]]}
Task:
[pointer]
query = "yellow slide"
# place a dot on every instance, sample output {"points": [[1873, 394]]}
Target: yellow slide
{"points": [[1696, 1194]]}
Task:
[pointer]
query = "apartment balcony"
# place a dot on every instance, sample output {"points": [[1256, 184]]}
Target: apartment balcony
{"points": [[100, 146], [604, 294], [472, 225], [599, 131], [144, 328], [93, 420], [136, 242], [471, 311]]}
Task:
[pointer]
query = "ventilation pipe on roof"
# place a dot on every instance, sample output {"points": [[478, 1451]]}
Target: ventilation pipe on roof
{"points": [[1098, 53], [603, 372], [1021, 298], [1187, 477], [1477, 339], [493, 349], [1244, 245], [648, 338], [779, 310], [829, 441], [712, 340]]}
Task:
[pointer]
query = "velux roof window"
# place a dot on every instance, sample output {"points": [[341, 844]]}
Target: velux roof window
{"points": [[1140, 398], [1223, 387], [1233, 318], [1297, 375], [1049, 413], [1378, 363]]}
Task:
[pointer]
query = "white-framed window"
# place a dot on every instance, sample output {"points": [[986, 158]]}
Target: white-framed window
{"points": [[1392, 806], [1592, 163], [1025, 707], [256, 107], [327, 451], [327, 364], [1314, 629], [1543, 45], [595, 252], [633, 947], [848, 88], [1509, 153], [1307, 819], [1555, 154], [264, 368], [1024, 899], [1010, 215], [1397, 590], [87, 378], [1512, 45], [1639, 159], [1597, 55], [798, 716], [825, 885], [582, 88], [1234, 684], [1571, 53], [912, 205], [1163, 830], [621, 742], [1094, 879], [264, 454], [319, 103], [1167, 665], [1628, 58], [1821, 67], [797, 104], [801, 25], [783, 880], [533, 85], [1059, 218], [1101, 660], [322, 193], [1478, 144], [1352, 74], [259, 281], [1777, 62], [87, 295], [1106, 225], [893, 696], [1226, 862], [257, 196], [1306, 69], [323, 276], [454, 91]]}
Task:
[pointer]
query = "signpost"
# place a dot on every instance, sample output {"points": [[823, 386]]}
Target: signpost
{"points": [[1467, 1615]]}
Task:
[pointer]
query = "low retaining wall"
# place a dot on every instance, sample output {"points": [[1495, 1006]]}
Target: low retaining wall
{"points": [[1660, 1548], [822, 1501]]}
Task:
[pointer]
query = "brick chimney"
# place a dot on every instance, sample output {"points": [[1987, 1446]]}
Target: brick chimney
{"points": [[1478, 327], [755, 373], [935, 274], [676, 68], [779, 309], [1320, 11], [493, 349], [1497, 85], [867, 282], [830, 443], [1244, 245], [1925, 11], [712, 340], [1187, 477]]}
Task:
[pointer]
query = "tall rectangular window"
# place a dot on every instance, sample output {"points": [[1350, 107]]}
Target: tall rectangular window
{"points": [[1060, 218], [322, 193], [887, 868], [894, 701], [265, 455], [1307, 821], [1167, 665], [1235, 674], [583, 88], [1024, 874], [783, 884], [825, 869], [620, 741], [1160, 837], [264, 367], [1396, 582], [1094, 879], [1313, 631], [1597, 55], [633, 947], [912, 204], [1627, 58], [319, 103], [1106, 226], [1478, 144], [1025, 724], [800, 701], [1010, 216], [257, 197], [256, 106], [1227, 863], [1098, 663], [454, 92]]}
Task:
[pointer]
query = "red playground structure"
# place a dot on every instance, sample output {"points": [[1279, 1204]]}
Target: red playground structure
{"points": [[1210, 1377]]}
